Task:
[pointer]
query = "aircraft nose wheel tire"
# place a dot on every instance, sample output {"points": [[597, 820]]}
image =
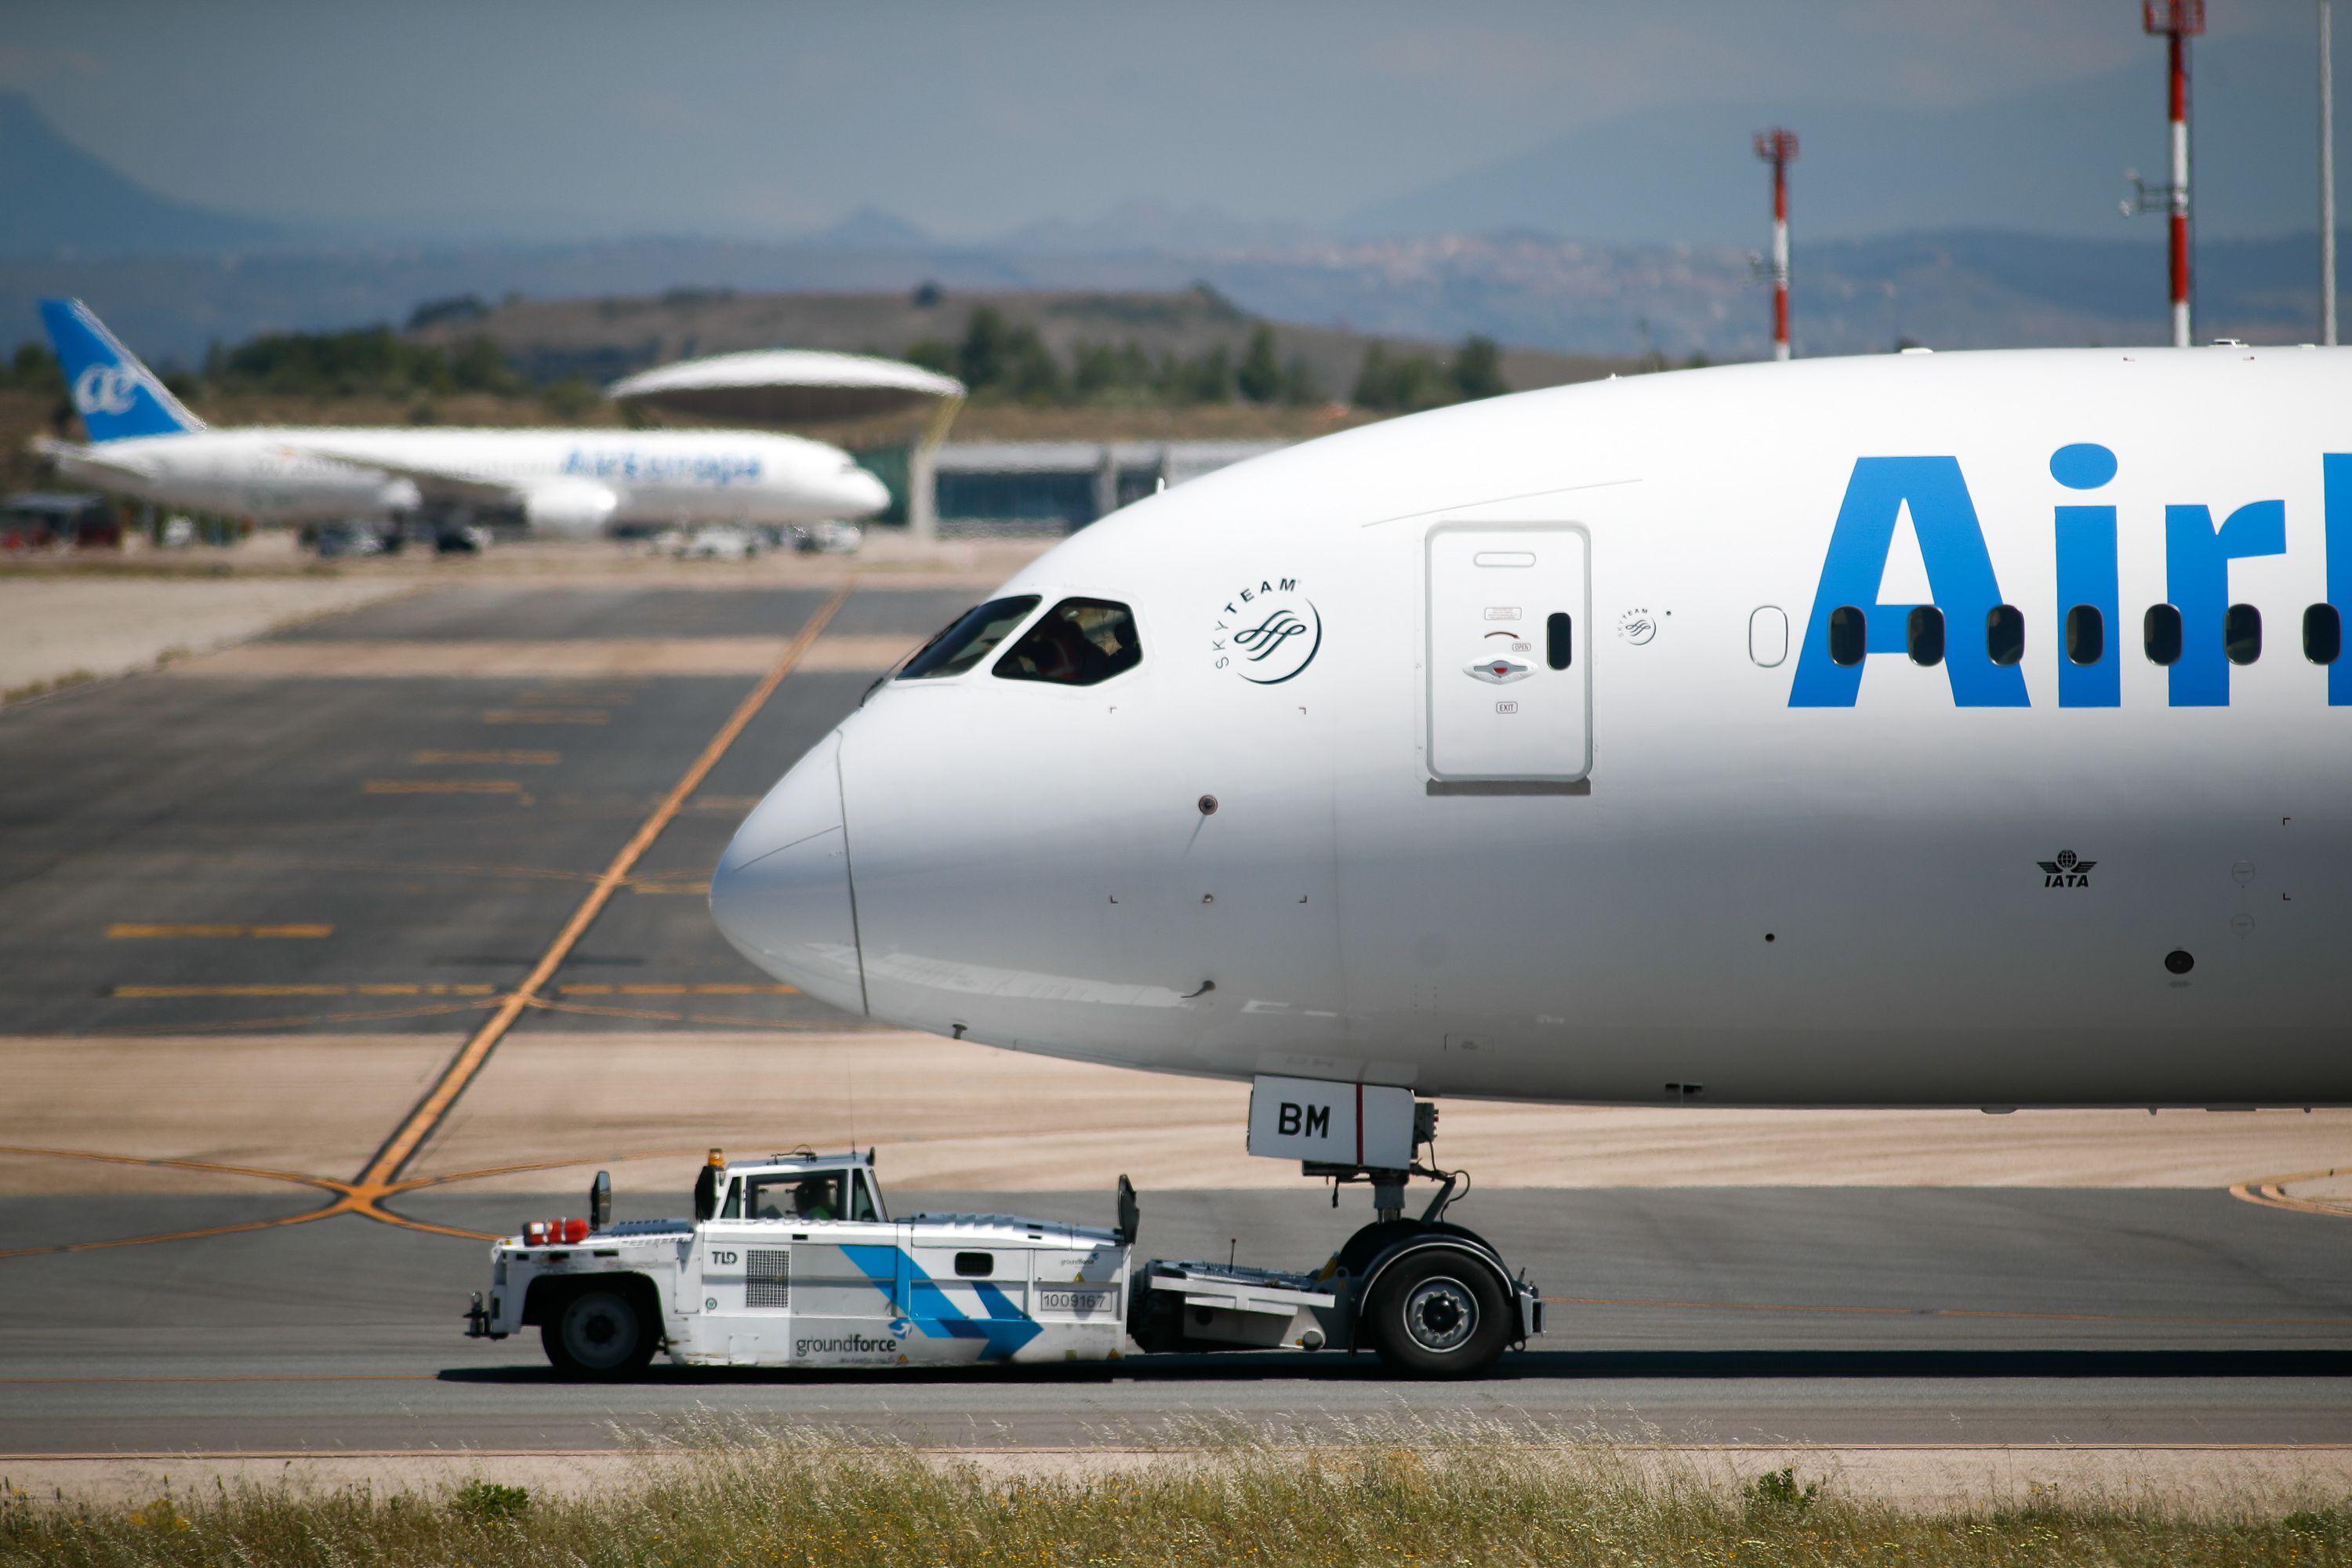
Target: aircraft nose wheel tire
{"points": [[598, 1333], [1438, 1316]]}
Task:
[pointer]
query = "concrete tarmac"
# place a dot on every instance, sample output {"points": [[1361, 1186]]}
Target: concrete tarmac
{"points": [[371, 868]]}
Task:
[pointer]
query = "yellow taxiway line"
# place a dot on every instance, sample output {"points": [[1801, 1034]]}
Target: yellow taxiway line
{"points": [[133, 931], [365, 1194], [441, 786], [298, 988], [494, 759], [2270, 1192], [402, 1146]]}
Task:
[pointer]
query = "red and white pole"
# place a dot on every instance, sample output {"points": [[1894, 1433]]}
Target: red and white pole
{"points": [[2178, 20], [2179, 48], [1779, 148]]}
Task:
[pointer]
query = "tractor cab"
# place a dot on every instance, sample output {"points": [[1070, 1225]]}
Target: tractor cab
{"points": [[800, 1187]]}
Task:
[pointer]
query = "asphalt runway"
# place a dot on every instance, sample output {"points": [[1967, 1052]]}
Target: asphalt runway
{"points": [[437, 831], [404, 855], [1765, 1315]]}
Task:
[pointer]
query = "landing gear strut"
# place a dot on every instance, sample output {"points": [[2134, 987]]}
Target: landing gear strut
{"points": [[1433, 1298]]}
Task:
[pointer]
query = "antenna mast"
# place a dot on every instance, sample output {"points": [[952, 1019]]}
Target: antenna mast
{"points": [[1779, 148], [2176, 21]]}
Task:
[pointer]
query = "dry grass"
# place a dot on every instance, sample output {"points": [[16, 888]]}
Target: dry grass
{"points": [[1466, 1495]]}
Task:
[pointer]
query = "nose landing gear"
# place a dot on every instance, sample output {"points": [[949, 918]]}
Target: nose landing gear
{"points": [[1433, 1299]]}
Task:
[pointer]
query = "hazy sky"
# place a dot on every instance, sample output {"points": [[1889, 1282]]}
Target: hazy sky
{"points": [[545, 119]]}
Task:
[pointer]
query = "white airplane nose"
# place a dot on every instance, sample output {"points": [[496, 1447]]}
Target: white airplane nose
{"points": [[863, 495], [781, 892]]}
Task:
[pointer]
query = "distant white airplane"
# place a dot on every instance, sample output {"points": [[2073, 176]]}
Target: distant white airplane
{"points": [[1951, 730], [145, 443]]}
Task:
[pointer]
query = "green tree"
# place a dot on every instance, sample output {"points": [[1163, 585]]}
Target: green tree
{"points": [[1260, 377], [1478, 370], [1301, 387], [570, 398], [1031, 372], [1374, 381], [33, 368], [478, 366], [1099, 371], [1399, 384], [987, 350], [935, 354], [1210, 377]]}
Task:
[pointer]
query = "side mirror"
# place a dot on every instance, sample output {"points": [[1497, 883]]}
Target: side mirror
{"points": [[600, 1201], [706, 1192], [1129, 1211]]}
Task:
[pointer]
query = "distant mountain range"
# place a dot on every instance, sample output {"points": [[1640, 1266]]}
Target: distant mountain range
{"points": [[2047, 158], [171, 277], [61, 202]]}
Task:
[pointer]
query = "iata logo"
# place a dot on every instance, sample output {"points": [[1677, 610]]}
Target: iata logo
{"points": [[2068, 871], [106, 389], [1267, 634]]}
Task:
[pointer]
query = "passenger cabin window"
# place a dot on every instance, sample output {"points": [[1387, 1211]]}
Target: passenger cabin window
{"points": [[2086, 635], [2004, 633], [1847, 638], [1078, 642], [816, 1197], [2323, 633], [1560, 639], [973, 639], [2241, 634], [1922, 635], [2160, 635]]}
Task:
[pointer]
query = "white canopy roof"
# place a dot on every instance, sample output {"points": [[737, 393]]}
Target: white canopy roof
{"points": [[786, 386]]}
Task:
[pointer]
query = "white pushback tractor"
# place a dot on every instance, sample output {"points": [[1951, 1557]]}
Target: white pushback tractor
{"points": [[795, 1261]]}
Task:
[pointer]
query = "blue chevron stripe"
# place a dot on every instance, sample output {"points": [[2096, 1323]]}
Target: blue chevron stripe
{"points": [[1004, 1331]]}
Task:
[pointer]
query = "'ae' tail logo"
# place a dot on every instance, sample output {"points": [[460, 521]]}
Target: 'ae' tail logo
{"points": [[106, 389], [2068, 871]]}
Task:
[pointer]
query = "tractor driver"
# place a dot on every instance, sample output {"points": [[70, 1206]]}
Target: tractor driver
{"points": [[812, 1199]]}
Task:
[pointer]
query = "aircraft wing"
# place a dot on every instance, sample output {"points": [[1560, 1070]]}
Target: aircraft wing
{"points": [[89, 460], [557, 504], [435, 482]]}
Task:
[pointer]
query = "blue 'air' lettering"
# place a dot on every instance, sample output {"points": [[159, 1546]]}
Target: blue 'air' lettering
{"points": [[2335, 470], [2197, 557], [2087, 576], [1959, 577]]}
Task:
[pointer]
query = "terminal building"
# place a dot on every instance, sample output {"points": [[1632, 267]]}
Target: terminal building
{"points": [[894, 417], [1059, 487]]}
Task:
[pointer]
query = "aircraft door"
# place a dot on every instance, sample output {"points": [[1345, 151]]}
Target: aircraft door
{"points": [[1509, 660]]}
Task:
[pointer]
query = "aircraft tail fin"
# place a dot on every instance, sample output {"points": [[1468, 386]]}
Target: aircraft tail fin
{"points": [[116, 395]]}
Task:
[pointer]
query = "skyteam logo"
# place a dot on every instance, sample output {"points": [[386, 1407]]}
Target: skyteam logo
{"points": [[106, 389], [1267, 634]]}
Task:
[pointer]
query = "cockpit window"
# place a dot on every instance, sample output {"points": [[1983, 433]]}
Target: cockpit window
{"points": [[973, 639], [1078, 642]]}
